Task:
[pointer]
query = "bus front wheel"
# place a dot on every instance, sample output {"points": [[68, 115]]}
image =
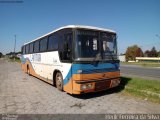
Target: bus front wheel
{"points": [[59, 81]]}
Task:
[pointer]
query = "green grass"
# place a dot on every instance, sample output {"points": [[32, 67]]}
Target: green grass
{"points": [[144, 64], [142, 88], [14, 60]]}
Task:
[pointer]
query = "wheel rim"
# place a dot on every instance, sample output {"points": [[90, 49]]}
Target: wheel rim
{"points": [[28, 70], [59, 81]]}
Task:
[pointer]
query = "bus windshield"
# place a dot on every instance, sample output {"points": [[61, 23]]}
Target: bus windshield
{"points": [[92, 45], [109, 46]]}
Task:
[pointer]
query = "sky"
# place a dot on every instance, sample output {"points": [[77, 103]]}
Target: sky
{"points": [[135, 21]]}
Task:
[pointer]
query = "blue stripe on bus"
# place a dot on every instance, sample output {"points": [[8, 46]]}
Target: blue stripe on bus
{"points": [[91, 69], [23, 59], [86, 68]]}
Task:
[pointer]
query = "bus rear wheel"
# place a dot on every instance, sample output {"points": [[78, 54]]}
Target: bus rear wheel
{"points": [[28, 71], [59, 81]]}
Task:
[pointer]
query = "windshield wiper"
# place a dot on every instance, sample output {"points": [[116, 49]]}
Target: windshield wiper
{"points": [[111, 55], [96, 59]]}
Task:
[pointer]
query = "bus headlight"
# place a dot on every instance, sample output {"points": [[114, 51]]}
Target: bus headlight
{"points": [[86, 86], [83, 87], [115, 83], [79, 71]]}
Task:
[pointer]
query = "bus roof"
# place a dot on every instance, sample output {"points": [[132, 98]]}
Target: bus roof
{"points": [[74, 26]]}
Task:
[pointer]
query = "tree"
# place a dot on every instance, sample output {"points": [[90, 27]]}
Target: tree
{"points": [[133, 51], [139, 52], [159, 54], [147, 53], [151, 53], [1, 54], [154, 52]]}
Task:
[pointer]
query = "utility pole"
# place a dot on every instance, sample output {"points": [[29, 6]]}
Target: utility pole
{"points": [[14, 47], [159, 38]]}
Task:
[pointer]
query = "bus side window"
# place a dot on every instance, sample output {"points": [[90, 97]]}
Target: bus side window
{"points": [[65, 46], [43, 44], [53, 42], [27, 49], [36, 46], [23, 50], [31, 48]]}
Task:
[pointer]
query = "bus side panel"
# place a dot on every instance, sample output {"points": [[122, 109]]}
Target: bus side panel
{"points": [[44, 69], [26, 62], [67, 77], [68, 87]]}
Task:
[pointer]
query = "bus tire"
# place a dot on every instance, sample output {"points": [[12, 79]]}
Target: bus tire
{"points": [[59, 81], [28, 71]]}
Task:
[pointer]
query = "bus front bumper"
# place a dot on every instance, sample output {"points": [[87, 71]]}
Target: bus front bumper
{"points": [[86, 86]]}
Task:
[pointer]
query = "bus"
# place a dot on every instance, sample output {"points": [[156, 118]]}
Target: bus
{"points": [[75, 58]]}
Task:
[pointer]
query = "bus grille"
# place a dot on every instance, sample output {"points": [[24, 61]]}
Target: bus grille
{"points": [[102, 85]]}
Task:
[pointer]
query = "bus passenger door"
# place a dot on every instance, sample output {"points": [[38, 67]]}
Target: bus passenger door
{"points": [[65, 53]]}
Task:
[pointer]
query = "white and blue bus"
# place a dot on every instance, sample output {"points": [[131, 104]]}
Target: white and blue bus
{"points": [[76, 59]]}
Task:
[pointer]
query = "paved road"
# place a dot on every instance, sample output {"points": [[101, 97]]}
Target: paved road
{"points": [[144, 72], [20, 93]]}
